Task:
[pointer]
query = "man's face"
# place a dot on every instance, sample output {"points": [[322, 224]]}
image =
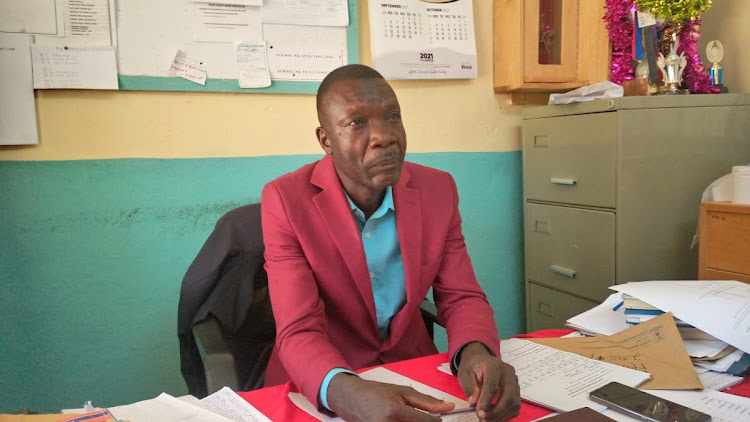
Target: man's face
{"points": [[362, 130]]}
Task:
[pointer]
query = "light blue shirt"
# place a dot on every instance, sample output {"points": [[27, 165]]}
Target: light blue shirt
{"points": [[386, 267]]}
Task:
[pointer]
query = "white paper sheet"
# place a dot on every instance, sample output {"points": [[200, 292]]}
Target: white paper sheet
{"points": [[603, 319], [165, 408], [42, 17], [189, 68], [559, 380], [412, 39], [718, 381], [74, 67], [302, 65], [86, 23], [704, 348], [225, 23], [227, 403], [723, 364], [720, 308], [238, 2], [387, 376], [17, 111], [252, 66], [306, 12]]}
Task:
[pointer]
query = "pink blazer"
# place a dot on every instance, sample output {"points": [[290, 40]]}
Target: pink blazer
{"points": [[320, 286]]}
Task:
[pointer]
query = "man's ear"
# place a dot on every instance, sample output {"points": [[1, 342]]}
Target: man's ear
{"points": [[323, 139]]}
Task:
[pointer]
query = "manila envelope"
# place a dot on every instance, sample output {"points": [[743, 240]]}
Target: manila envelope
{"points": [[654, 346]]}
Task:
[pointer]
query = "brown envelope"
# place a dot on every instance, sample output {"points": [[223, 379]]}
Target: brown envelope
{"points": [[654, 346]]}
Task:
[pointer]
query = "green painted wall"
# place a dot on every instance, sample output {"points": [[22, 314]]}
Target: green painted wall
{"points": [[92, 254]]}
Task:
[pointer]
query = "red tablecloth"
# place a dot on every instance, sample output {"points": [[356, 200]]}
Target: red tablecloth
{"points": [[273, 401]]}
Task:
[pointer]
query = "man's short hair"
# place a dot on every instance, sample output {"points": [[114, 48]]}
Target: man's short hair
{"points": [[343, 73]]}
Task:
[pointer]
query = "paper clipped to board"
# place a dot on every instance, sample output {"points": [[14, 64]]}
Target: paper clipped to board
{"points": [[252, 64], [71, 67], [189, 68], [17, 110]]}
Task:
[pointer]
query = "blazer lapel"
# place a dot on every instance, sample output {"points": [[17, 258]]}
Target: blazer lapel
{"points": [[408, 204], [335, 212]]}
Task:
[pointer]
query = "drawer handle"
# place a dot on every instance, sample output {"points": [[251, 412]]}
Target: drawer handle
{"points": [[567, 272], [561, 181]]}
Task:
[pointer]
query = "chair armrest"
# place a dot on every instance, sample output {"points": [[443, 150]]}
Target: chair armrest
{"points": [[218, 361], [429, 316]]}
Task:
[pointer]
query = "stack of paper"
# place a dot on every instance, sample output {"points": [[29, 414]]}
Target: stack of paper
{"points": [[719, 308], [223, 406]]}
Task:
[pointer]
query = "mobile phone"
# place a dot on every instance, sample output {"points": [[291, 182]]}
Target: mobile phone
{"points": [[645, 406]]}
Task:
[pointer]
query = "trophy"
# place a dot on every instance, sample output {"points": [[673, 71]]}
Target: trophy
{"points": [[714, 54], [671, 69]]}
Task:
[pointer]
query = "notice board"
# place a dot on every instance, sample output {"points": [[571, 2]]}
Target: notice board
{"points": [[150, 32]]}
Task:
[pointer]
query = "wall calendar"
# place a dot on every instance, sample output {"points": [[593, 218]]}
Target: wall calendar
{"points": [[423, 39]]}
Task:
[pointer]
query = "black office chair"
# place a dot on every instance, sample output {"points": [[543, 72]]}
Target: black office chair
{"points": [[224, 304]]}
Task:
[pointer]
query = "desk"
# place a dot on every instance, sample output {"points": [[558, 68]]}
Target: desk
{"points": [[273, 401]]}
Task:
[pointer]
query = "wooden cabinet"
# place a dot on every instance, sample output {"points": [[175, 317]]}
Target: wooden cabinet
{"points": [[549, 45], [611, 194], [724, 242]]}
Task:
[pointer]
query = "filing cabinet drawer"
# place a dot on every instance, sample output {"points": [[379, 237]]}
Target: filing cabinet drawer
{"points": [[571, 159], [548, 308], [571, 249]]}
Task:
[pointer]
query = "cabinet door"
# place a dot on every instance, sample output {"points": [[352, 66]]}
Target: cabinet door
{"points": [[571, 249], [571, 159], [548, 308], [550, 40]]}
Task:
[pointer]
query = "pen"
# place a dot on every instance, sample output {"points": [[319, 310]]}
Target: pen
{"points": [[618, 305], [471, 408]]}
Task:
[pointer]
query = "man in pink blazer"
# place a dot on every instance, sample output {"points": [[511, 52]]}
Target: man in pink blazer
{"points": [[353, 244]]}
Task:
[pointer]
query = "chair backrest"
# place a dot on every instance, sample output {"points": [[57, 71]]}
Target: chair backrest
{"points": [[224, 301]]}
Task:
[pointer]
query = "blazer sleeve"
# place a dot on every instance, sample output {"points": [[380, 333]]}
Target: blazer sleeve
{"points": [[462, 304], [301, 339]]}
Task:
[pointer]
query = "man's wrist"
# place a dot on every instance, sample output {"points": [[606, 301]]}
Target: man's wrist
{"points": [[471, 348], [324, 386]]}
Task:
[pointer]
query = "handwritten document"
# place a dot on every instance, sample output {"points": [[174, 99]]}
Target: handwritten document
{"points": [[560, 380], [387, 376], [720, 308], [227, 403], [17, 111], [165, 408], [188, 68], [654, 346], [74, 67]]}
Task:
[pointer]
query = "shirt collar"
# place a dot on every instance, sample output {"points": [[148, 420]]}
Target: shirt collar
{"points": [[386, 205]]}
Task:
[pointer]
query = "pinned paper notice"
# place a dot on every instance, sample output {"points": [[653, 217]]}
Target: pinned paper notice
{"points": [[252, 66], [74, 67], [187, 68], [302, 65]]}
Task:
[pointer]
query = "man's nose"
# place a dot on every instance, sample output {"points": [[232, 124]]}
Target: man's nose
{"points": [[382, 134]]}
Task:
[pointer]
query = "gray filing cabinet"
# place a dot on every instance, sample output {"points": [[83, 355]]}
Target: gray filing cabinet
{"points": [[612, 190]]}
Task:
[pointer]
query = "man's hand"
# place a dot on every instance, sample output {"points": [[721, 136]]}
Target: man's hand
{"points": [[358, 400], [489, 383]]}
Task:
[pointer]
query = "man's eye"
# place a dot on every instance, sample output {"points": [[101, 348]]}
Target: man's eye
{"points": [[395, 117], [357, 122]]}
